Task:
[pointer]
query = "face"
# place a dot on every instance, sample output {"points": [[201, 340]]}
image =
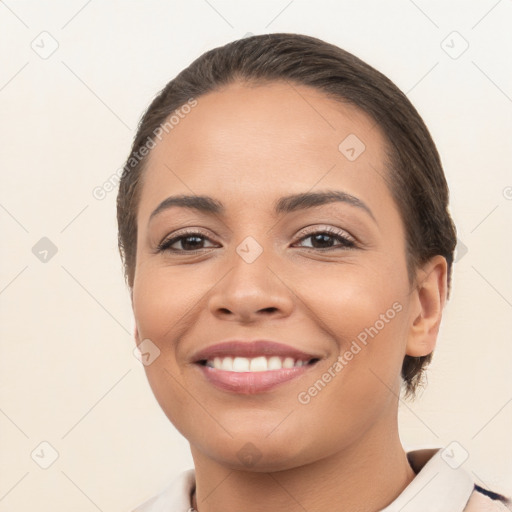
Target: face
{"points": [[321, 279]]}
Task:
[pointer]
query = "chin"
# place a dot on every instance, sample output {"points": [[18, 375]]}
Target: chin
{"points": [[253, 452]]}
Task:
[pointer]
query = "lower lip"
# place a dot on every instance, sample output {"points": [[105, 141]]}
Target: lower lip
{"points": [[250, 383]]}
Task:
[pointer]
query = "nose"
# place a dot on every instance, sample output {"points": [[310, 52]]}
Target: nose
{"points": [[250, 292]]}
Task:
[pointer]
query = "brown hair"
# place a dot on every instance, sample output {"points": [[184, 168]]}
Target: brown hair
{"points": [[415, 178]]}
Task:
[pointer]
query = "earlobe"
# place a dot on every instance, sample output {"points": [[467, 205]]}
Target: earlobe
{"points": [[430, 298]]}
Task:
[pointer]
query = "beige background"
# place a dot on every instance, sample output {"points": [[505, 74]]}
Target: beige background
{"points": [[69, 376]]}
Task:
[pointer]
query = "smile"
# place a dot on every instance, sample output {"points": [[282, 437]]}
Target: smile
{"points": [[252, 367], [255, 364]]}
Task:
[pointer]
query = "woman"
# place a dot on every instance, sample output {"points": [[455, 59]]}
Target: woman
{"points": [[284, 226]]}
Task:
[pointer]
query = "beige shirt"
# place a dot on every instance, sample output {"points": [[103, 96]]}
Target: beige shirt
{"points": [[437, 487]]}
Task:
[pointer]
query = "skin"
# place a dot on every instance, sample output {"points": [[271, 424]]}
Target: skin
{"points": [[247, 146]]}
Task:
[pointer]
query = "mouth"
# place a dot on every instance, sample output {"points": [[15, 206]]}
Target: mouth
{"points": [[252, 367], [255, 364]]}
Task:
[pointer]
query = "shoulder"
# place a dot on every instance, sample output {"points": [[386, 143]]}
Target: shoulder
{"points": [[441, 479], [175, 497], [483, 500]]}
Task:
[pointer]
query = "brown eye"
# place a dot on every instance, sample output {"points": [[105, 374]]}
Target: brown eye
{"points": [[328, 239], [187, 242]]}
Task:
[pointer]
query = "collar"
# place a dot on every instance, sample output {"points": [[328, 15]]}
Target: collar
{"points": [[176, 497], [435, 483]]}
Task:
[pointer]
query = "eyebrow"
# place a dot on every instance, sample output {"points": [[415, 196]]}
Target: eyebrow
{"points": [[287, 204]]}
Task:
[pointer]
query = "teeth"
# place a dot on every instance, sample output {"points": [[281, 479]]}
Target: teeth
{"points": [[256, 364], [241, 364], [274, 363], [226, 363], [288, 363]]}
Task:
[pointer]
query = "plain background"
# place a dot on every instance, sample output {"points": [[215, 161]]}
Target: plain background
{"points": [[69, 376]]}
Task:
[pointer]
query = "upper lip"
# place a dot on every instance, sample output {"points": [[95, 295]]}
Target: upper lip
{"points": [[254, 348]]}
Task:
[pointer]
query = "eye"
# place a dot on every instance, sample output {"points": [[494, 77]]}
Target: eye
{"points": [[194, 241], [189, 241], [327, 238]]}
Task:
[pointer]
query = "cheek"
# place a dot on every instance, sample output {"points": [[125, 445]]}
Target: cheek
{"points": [[162, 300], [361, 382], [365, 313], [351, 299]]}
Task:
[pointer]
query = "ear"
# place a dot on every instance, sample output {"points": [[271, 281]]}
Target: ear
{"points": [[427, 303], [136, 334], [135, 328]]}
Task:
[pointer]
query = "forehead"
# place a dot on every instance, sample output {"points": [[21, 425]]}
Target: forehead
{"points": [[248, 141]]}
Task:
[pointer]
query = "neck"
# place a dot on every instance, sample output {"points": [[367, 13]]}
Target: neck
{"points": [[362, 478]]}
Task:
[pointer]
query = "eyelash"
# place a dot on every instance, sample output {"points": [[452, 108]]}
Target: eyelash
{"points": [[346, 243]]}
